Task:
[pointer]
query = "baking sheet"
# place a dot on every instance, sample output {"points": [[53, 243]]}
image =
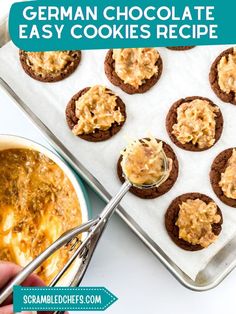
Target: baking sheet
{"points": [[184, 74]]}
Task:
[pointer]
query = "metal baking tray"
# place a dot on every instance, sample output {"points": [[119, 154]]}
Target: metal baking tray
{"points": [[215, 272]]}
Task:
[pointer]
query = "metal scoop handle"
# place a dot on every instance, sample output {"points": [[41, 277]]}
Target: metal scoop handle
{"points": [[32, 266], [95, 229], [95, 233]]}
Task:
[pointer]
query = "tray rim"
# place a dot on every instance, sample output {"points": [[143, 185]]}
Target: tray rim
{"points": [[103, 194]]}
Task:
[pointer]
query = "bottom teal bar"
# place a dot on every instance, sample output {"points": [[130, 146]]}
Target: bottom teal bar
{"points": [[62, 299]]}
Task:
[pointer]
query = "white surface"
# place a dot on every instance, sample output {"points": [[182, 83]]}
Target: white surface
{"points": [[4, 8], [125, 266], [178, 80]]}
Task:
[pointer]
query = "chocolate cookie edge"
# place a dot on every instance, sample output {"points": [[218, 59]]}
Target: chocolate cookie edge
{"points": [[171, 119], [213, 79], [171, 217], [50, 78], [127, 88], [98, 135], [218, 166]]}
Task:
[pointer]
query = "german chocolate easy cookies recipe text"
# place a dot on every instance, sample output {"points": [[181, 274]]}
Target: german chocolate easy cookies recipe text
{"points": [[119, 22]]}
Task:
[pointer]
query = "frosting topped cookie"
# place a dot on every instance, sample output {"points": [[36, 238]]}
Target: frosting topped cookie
{"points": [[95, 114], [195, 221], [96, 109], [223, 76], [228, 177], [196, 123], [50, 66], [227, 72], [135, 65], [134, 70], [223, 176], [48, 62]]}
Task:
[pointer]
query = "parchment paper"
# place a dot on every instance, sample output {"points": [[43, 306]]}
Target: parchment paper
{"points": [[184, 74]]}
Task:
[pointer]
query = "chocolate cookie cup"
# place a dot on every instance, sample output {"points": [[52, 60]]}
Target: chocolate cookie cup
{"points": [[180, 48], [218, 167], [51, 77], [98, 135], [214, 79], [155, 192], [171, 217], [171, 120], [109, 66]]}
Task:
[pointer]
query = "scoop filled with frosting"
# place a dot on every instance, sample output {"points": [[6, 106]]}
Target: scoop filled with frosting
{"points": [[144, 163]]}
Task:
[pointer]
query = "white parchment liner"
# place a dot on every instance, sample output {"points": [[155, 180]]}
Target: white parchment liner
{"points": [[184, 74]]}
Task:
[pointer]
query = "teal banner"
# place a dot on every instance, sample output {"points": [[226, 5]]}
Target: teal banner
{"points": [[61, 299], [94, 24]]}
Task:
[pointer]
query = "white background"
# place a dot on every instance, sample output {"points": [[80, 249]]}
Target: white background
{"points": [[124, 265]]}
